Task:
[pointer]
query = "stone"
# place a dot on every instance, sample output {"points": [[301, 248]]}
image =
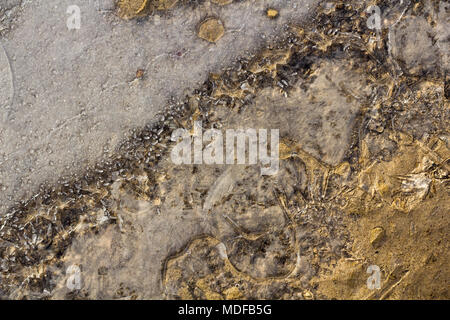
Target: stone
{"points": [[211, 30], [165, 4], [221, 2], [129, 9]]}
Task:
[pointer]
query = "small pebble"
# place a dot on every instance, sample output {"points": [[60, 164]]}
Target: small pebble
{"points": [[376, 236], [272, 13]]}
